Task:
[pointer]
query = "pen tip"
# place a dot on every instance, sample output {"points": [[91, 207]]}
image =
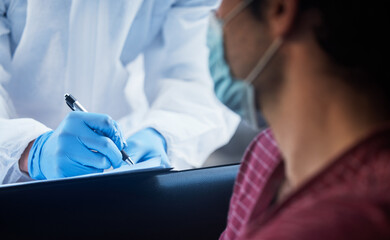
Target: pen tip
{"points": [[129, 162]]}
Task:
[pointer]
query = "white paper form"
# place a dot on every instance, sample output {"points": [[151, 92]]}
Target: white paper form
{"points": [[150, 165]]}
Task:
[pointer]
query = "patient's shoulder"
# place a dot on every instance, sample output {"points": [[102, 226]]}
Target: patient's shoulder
{"points": [[334, 217]]}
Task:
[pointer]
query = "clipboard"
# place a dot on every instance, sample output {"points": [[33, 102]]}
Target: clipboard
{"points": [[151, 166]]}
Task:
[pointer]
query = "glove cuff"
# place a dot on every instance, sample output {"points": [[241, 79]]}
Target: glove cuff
{"points": [[157, 134], [34, 156]]}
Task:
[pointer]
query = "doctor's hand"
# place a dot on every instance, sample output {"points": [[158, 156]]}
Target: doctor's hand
{"points": [[147, 144], [83, 143]]}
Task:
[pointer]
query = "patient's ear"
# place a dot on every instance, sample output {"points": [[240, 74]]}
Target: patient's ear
{"points": [[280, 16]]}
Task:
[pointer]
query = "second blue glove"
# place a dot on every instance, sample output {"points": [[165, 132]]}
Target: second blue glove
{"points": [[147, 144]]}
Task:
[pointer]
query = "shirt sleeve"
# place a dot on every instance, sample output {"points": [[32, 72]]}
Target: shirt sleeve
{"points": [[183, 105], [15, 134], [335, 218]]}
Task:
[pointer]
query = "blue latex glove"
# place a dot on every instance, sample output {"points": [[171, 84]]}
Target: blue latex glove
{"points": [[147, 144], [67, 151]]}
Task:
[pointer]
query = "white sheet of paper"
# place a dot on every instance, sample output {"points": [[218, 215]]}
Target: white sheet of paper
{"points": [[147, 166]]}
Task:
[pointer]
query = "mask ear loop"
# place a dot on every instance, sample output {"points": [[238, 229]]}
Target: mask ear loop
{"points": [[263, 62], [235, 11]]}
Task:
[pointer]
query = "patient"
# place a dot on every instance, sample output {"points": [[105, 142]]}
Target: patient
{"points": [[322, 170]]}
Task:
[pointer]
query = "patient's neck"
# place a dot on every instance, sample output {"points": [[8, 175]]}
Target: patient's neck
{"points": [[316, 119]]}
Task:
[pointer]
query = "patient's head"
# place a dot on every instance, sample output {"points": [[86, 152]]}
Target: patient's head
{"points": [[335, 44]]}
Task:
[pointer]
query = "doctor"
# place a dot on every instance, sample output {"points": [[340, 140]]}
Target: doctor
{"points": [[141, 62]]}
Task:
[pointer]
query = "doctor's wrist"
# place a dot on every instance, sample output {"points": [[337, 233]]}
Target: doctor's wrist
{"points": [[158, 136], [23, 161]]}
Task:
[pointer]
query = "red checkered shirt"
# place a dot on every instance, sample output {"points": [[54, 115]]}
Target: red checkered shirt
{"points": [[350, 199]]}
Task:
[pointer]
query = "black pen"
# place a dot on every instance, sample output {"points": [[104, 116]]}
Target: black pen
{"points": [[76, 106]]}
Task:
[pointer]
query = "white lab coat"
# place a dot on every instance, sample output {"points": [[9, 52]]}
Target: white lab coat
{"points": [[143, 62]]}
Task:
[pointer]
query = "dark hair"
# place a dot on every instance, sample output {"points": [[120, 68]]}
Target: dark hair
{"points": [[353, 34]]}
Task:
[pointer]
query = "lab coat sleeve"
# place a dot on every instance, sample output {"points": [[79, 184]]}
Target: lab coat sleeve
{"points": [[183, 105], [15, 134]]}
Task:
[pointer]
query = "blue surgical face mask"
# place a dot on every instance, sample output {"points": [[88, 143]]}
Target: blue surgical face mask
{"points": [[236, 94]]}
